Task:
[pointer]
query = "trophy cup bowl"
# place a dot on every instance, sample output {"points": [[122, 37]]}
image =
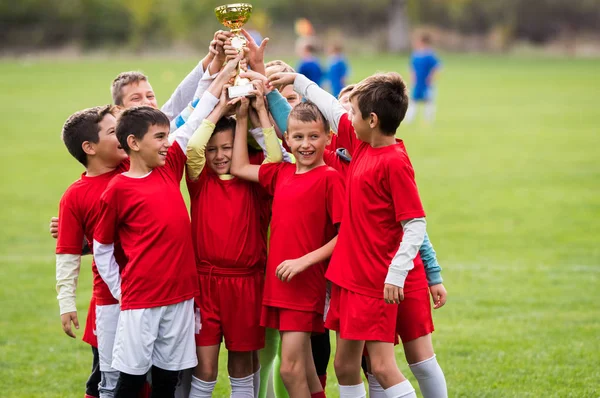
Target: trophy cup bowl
{"points": [[234, 16]]}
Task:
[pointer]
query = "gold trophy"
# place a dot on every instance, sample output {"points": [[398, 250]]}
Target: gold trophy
{"points": [[234, 16]]}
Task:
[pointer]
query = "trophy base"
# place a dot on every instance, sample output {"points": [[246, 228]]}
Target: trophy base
{"points": [[240, 91]]}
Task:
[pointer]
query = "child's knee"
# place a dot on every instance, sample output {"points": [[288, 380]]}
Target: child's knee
{"points": [[292, 371], [240, 364], [206, 371], [345, 368]]}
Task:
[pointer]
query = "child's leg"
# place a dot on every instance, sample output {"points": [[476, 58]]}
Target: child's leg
{"points": [[278, 386], [429, 106], [347, 367], [239, 365], [205, 374], [255, 373], [129, 385], [383, 366], [411, 112], [267, 357], [314, 383], [107, 319], [294, 349], [163, 382], [321, 351], [91, 386], [423, 364]]}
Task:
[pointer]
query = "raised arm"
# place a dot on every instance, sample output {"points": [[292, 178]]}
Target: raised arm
{"points": [[274, 151], [240, 164]]}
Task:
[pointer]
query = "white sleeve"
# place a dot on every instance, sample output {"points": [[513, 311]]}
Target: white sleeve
{"points": [[327, 103], [104, 256], [183, 94], [67, 274], [402, 263], [259, 137], [183, 134]]}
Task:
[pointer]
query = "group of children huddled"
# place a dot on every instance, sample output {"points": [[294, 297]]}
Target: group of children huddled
{"points": [[305, 218]]}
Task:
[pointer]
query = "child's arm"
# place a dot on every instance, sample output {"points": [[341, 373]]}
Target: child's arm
{"points": [[183, 94], [207, 103], [256, 53], [327, 103], [240, 164], [274, 151], [412, 238], [290, 268], [104, 242], [67, 274], [196, 148], [433, 272]]}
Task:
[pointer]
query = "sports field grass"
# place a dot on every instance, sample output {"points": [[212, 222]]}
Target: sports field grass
{"points": [[509, 176]]}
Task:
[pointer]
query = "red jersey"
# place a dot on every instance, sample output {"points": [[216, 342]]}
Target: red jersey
{"points": [[380, 193], [229, 227], [78, 215], [150, 218], [304, 215]]}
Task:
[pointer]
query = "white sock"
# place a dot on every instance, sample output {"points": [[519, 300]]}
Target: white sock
{"points": [[256, 382], [356, 391], [431, 378], [201, 388], [242, 387], [401, 390], [375, 389]]}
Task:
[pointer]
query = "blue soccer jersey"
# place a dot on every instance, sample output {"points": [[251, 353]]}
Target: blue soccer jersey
{"points": [[423, 64], [338, 70], [311, 68]]}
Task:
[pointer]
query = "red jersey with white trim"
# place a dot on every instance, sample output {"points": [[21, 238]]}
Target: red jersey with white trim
{"points": [[78, 214], [304, 216], [380, 193], [229, 229], [149, 217]]}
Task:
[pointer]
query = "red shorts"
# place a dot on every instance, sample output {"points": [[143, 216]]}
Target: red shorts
{"points": [[89, 334], [230, 309], [287, 320], [359, 317], [414, 315]]}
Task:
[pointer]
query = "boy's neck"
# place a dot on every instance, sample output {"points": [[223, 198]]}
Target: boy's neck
{"points": [[300, 169], [379, 140], [95, 168], [137, 168]]}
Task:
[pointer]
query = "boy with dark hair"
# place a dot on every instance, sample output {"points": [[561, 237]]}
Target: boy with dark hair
{"points": [[303, 234], [414, 314], [89, 136], [145, 210]]}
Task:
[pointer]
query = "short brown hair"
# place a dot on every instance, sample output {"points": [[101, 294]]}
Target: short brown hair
{"points": [[384, 94], [137, 121], [345, 90], [124, 79], [225, 123], [308, 112], [83, 126], [279, 66]]}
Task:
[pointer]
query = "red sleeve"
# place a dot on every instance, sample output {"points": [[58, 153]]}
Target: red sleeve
{"points": [[175, 161], [106, 228], [403, 189], [267, 176], [334, 161], [346, 136], [70, 226], [194, 186], [335, 197]]}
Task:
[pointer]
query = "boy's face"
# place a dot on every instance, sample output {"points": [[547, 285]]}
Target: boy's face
{"points": [[153, 147], [108, 149], [138, 94], [292, 97], [219, 151], [307, 141], [345, 101], [361, 126]]}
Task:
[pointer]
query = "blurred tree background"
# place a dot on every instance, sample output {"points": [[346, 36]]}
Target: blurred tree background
{"points": [[27, 25]]}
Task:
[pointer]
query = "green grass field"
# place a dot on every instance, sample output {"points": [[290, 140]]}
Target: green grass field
{"points": [[509, 176]]}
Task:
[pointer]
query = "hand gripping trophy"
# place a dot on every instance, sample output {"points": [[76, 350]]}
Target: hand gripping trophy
{"points": [[234, 16]]}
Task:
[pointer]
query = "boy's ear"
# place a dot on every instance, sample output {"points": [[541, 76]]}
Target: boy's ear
{"points": [[373, 120], [329, 134], [286, 137], [88, 147], [132, 143]]}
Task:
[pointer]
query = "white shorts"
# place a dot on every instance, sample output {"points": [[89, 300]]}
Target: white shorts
{"points": [[107, 319], [160, 336]]}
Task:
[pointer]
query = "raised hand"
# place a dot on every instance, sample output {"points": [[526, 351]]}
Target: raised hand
{"points": [[281, 79], [256, 53]]}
